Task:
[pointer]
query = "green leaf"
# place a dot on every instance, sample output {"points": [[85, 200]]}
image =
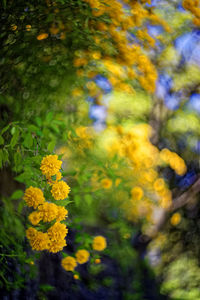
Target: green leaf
{"points": [[15, 137], [46, 287], [21, 206], [32, 128], [5, 155], [51, 146], [1, 140], [17, 194], [5, 129], [49, 116], [88, 199], [62, 202], [77, 200], [38, 121], [28, 140]]}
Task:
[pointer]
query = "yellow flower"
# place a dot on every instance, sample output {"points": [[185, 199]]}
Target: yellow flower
{"points": [[117, 181], [69, 263], [30, 233], [76, 276], [159, 184], [48, 211], [106, 183], [137, 193], [97, 261], [39, 241], [62, 213], [175, 219], [56, 246], [42, 36], [50, 165], [28, 27], [99, 243], [82, 256], [57, 232], [33, 197], [35, 218], [60, 190]]}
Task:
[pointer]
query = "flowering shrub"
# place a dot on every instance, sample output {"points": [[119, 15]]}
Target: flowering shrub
{"points": [[54, 239]]}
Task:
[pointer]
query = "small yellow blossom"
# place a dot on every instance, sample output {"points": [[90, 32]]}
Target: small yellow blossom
{"points": [[137, 193], [97, 261], [57, 232], [117, 181], [42, 36], [48, 211], [99, 243], [28, 27], [39, 241], [62, 213], [30, 233], [33, 197], [35, 218], [76, 276], [106, 183], [56, 246], [69, 263], [50, 165], [82, 256], [175, 219], [60, 190]]}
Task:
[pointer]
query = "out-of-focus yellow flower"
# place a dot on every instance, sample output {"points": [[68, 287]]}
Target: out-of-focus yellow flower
{"points": [[28, 27], [76, 276], [60, 190], [33, 197], [82, 256], [106, 183], [42, 36], [97, 261], [175, 219], [117, 181], [99, 243], [69, 263], [137, 193], [159, 184], [50, 165], [13, 27]]}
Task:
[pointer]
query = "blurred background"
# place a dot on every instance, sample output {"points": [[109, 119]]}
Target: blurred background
{"points": [[113, 89]]}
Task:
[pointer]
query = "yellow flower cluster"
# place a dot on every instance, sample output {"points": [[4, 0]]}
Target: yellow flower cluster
{"points": [[117, 54], [148, 192], [194, 7], [54, 239], [69, 263], [175, 161]]}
